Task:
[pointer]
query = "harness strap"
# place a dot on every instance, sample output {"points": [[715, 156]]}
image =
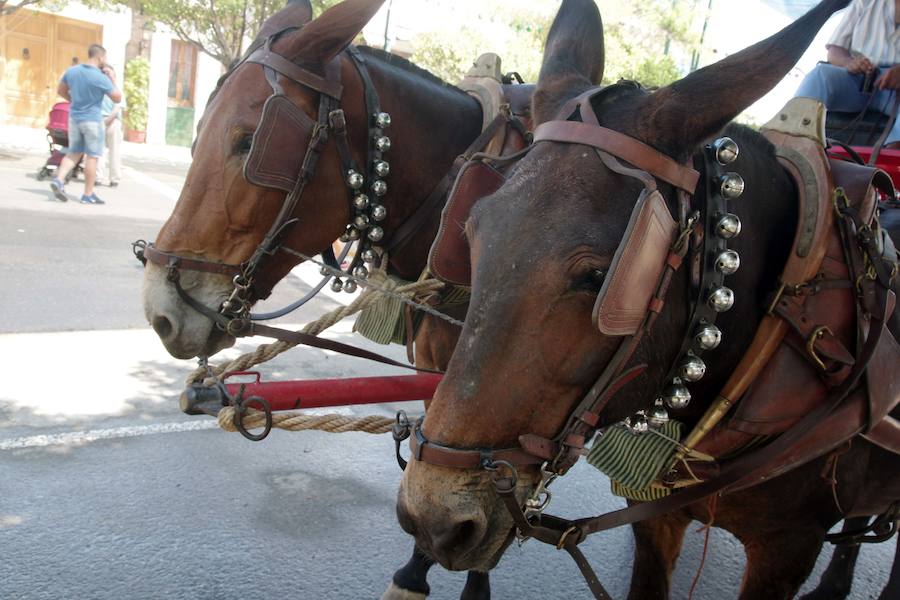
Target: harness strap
{"points": [[151, 253], [266, 57], [296, 337], [404, 234], [618, 144]]}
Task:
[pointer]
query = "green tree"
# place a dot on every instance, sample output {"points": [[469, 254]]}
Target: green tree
{"points": [[8, 7], [219, 28]]}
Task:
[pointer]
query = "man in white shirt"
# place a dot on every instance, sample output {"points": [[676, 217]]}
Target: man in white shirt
{"points": [[862, 68]]}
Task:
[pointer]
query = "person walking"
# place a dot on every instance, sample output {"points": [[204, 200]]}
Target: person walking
{"points": [[111, 164], [863, 68], [85, 86]]}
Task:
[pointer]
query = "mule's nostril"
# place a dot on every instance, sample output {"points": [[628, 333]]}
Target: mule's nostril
{"points": [[162, 326], [456, 538]]}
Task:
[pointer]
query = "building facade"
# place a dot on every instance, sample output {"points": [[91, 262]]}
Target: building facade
{"points": [[37, 46]]}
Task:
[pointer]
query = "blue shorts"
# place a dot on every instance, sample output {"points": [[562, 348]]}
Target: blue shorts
{"points": [[86, 137]]}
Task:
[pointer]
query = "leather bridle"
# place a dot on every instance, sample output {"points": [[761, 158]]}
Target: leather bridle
{"points": [[698, 227]]}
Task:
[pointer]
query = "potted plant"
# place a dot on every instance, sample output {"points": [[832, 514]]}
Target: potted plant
{"points": [[137, 87]]}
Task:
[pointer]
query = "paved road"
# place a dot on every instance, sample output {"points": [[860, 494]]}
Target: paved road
{"points": [[108, 491]]}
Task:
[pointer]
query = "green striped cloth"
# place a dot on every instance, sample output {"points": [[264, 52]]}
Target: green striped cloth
{"points": [[634, 461], [384, 322]]}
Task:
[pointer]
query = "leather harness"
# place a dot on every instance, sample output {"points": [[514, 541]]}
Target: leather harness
{"points": [[234, 315], [558, 455]]}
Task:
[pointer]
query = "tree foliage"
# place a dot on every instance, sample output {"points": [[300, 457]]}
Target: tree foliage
{"points": [[8, 7], [137, 91], [649, 42]]}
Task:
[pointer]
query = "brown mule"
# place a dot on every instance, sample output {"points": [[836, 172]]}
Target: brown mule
{"points": [[542, 247], [221, 217]]}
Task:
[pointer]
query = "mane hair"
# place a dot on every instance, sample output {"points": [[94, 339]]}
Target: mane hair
{"points": [[405, 65]]}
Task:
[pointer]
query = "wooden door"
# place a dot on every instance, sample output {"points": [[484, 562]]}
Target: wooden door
{"points": [[35, 50]]}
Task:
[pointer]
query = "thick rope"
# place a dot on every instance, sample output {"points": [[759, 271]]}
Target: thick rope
{"points": [[380, 285], [294, 421]]}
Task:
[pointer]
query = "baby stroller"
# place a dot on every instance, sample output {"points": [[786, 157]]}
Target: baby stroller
{"points": [[58, 138]]}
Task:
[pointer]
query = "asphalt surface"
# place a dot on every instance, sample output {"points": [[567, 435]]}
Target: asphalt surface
{"points": [[107, 491]]}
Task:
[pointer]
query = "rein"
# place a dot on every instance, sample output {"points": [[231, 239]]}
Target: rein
{"points": [[707, 229]]}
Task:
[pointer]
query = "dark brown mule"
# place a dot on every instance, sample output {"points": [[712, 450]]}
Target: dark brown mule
{"points": [[222, 217], [541, 246]]}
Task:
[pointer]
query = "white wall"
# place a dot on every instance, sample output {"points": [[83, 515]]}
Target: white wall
{"points": [[208, 72], [160, 54]]}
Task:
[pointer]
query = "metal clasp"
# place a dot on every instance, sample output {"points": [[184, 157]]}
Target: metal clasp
{"points": [[815, 336], [539, 499]]}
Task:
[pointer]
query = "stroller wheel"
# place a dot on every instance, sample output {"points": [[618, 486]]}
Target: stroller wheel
{"points": [[72, 174], [43, 173]]}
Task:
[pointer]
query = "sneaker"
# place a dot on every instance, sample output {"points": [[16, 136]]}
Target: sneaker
{"points": [[59, 190], [92, 199]]}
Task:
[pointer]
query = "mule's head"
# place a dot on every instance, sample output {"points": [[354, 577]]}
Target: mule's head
{"points": [[541, 248], [221, 216]]}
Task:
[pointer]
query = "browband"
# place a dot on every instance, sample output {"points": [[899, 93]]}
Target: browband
{"points": [[622, 146], [266, 57]]}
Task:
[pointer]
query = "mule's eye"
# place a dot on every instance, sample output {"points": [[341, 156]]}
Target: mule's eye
{"points": [[243, 145], [589, 282]]}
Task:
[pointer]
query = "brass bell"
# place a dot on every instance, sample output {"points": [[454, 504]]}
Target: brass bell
{"points": [[709, 337], [379, 212], [354, 179], [382, 168], [721, 300], [369, 255], [383, 120], [379, 188], [361, 222], [637, 423], [337, 285], [726, 150], [728, 262], [353, 235], [658, 416], [728, 226], [345, 237], [323, 270], [350, 286], [676, 396], [376, 233], [383, 143], [731, 185], [692, 369], [361, 201], [360, 272]]}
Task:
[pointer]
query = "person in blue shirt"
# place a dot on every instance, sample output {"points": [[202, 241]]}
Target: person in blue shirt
{"points": [[85, 86]]}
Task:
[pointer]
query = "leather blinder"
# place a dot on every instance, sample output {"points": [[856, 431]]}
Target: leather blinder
{"points": [[449, 259], [283, 126], [637, 266]]}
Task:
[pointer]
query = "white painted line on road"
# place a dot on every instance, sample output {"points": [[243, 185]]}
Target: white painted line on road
{"points": [[81, 437], [157, 186]]}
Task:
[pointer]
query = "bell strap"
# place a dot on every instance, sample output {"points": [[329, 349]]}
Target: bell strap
{"points": [[622, 146]]}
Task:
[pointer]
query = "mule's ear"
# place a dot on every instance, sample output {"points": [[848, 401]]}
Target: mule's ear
{"points": [[685, 113], [296, 13], [573, 57], [324, 38]]}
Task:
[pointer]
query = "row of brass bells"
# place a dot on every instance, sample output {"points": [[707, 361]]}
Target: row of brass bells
{"points": [[731, 185]]}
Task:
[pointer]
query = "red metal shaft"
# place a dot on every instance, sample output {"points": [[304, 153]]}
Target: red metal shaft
{"points": [[319, 393]]}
